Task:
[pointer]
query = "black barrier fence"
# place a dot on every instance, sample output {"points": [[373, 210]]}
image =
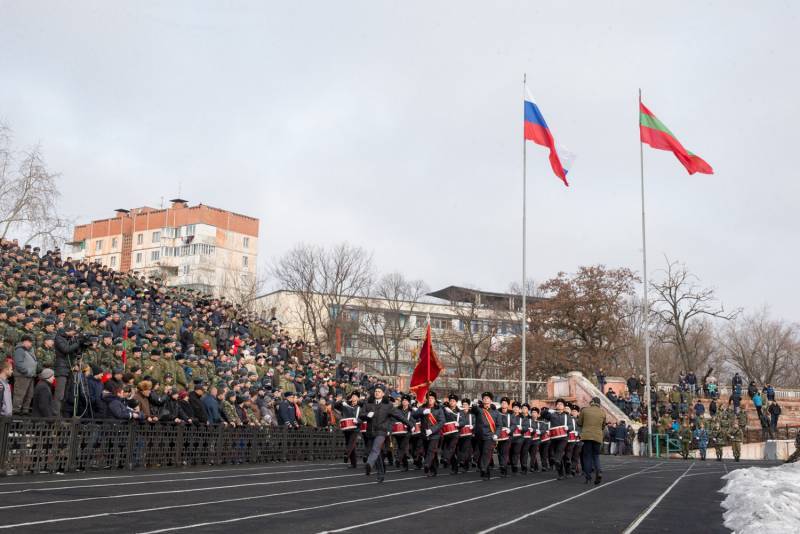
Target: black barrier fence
{"points": [[66, 445]]}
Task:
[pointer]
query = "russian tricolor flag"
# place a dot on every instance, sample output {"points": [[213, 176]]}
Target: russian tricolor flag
{"points": [[536, 130]]}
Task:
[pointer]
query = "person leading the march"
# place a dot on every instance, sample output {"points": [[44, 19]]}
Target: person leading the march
{"points": [[592, 419], [701, 437], [349, 424], [487, 425], [559, 421], [378, 412], [431, 417]]}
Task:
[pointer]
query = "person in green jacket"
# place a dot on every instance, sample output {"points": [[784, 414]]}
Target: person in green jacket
{"points": [[685, 433], [718, 441], [736, 437]]}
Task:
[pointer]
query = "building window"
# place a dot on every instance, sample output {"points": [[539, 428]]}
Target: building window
{"points": [[185, 270], [189, 229], [244, 261], [246, 242], [114, 243], [139, 239], [138, 257], [156, 237], [113, 261], [155, 255], [98, 245]]}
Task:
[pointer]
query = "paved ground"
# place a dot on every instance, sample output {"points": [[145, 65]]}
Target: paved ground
{"points": [[638, 495]]}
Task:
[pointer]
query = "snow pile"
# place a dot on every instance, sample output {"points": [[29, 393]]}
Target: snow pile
{"points": [[760, 499]]}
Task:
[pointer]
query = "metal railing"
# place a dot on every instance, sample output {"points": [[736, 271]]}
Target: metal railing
{"points": [[66, 445], [725, 391]]}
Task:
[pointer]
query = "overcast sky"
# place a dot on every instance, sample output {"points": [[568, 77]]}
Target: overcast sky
{"points": [[397, 126]]}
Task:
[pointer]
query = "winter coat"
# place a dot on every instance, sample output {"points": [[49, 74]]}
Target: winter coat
{"points": [[43, 403], [24, 361], [66, 350], [592, 419], [116, 408], [212, 409]]}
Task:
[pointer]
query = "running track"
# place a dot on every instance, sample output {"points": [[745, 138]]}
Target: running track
{"points": [[637, 495]]}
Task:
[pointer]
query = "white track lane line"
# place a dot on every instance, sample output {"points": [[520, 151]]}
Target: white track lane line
{"points": [[447, 505], [307, 508], [557, 503], [655, 503], [60, 488], [220, 469], [205, 503], [170, 492]]}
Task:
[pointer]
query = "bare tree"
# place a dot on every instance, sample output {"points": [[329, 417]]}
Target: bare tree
{"points": [[385, 317], [326, 281], [29, 196], [474, 345], [682, 313], [761, 347], [242, 287]]}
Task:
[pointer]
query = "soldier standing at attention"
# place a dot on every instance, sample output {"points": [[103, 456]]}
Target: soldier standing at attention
{"points": [[685, 434], [718, 440], [736, 438]]}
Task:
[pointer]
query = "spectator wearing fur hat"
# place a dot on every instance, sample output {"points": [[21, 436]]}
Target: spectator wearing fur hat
{"points": [[43, 404]]}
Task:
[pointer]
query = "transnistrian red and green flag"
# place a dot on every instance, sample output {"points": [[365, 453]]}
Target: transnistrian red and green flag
{"points": [[654, 133]]}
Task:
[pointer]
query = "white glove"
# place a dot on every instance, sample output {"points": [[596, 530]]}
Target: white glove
{"points": [[428, 432], [519, 426], [370, 414], [426, 411], [494, 438]]}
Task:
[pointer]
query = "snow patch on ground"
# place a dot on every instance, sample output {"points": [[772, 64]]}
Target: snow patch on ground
{"points": [[763, 499]]}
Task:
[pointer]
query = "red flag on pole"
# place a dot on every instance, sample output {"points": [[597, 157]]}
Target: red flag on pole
{"points": [[427, 369]]}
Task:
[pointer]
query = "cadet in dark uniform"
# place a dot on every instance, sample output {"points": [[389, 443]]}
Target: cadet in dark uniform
{"points": [[544, 448], [516, 437], [504, 436], [450, 441], [402, 440], [431, 416], [466, 428], [350, 411], [559, 421], [537, 427], [527, 437], [487, 425]]}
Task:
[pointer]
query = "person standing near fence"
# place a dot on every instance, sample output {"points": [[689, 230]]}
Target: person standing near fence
{"points": [[25, 364], [774, 411], [6, 403]]}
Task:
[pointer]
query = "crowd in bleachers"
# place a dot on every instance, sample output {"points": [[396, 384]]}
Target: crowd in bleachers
{"points": [[82, 340]]}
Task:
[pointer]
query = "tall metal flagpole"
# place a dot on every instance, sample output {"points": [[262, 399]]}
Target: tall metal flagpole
{"points": [[524, 354], [646, 311]]}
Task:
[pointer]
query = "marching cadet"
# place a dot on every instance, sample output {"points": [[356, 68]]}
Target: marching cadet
{"points": [[572, 439], [559, 420], [516, 437], [349, 424], [450, 433], [527, 437], [504, 436], [466, 426], [487, 425], [536, 440], [544, 447], [403, 439], [736, 437], [577, 447], [431, 417]]}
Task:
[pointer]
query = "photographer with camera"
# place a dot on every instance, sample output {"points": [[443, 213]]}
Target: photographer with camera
{"points": [[69, 345]]}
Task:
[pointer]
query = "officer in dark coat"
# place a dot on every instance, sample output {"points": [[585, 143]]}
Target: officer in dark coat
{"points": [[378, 413], [487, 425], [431, 417]]}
